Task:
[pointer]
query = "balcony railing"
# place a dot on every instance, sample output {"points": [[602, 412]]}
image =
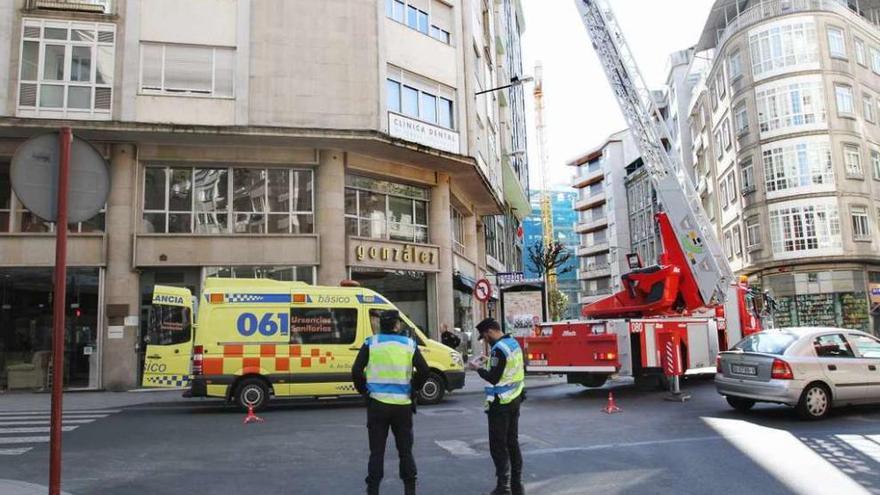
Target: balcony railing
{"points": [[768, 9]]}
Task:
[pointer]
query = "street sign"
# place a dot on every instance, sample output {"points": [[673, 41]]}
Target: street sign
{"points": [[34, 176], [507, 278], [483, 290]]}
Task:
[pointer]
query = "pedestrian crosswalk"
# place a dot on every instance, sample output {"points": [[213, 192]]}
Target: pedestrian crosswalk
{"points": [[20, 432]]}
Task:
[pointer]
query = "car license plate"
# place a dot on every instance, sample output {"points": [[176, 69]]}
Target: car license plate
{"points": [[743, 370]]}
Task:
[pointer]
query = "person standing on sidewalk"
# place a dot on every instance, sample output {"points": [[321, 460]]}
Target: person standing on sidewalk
{"points": [[383, 372], [505, 372]]}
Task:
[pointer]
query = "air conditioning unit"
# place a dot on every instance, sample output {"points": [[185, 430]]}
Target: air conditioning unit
{"points": [[92, 6]]}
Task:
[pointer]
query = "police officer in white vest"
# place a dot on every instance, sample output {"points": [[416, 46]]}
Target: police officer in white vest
{"points": [[505, 372], [383, 371]]}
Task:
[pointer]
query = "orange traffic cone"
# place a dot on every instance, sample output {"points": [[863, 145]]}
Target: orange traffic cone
{"points": [[251, 417], [611, 407]]}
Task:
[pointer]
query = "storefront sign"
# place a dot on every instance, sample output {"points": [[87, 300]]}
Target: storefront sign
{"points": [[422, 133], [393, 255]]}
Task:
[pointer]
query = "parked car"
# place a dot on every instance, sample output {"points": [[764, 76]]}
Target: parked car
{"points": [[811, 369]]}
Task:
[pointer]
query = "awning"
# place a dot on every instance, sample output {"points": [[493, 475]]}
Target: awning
{"points": [[463, 283]]}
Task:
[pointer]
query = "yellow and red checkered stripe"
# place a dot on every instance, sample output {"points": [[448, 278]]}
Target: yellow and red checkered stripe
{"points": [[242, 359]]}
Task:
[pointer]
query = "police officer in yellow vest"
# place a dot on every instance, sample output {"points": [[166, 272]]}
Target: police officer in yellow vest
{"points": [[383, 371], [505, 372]]}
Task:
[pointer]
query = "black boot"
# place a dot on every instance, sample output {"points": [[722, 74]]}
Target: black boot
{"points": [[502, 487], [517, 488], [409, 487], [372, 488]]}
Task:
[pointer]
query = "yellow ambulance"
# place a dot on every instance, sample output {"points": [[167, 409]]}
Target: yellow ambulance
{"points": [[257, 338]]}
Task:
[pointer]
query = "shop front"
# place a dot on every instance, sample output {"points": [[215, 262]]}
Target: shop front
{"points": [[832, 298], [26, 328]]}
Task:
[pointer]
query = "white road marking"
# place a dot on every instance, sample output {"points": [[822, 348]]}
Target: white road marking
{"points": [[45, 422], [33, 429], [13, 440], [46, 416], [18, 451], [65, 412], [800, 468], [457, 448]]}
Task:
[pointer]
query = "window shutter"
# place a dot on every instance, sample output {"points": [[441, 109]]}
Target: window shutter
{"points": [[27, 96], [32, 32], [151, 70], [106, 36], [103, 98], [188, 68], [441, 16]]}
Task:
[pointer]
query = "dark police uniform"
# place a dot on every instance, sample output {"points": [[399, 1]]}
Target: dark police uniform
{"points": [[505, 371], [383, 371]]}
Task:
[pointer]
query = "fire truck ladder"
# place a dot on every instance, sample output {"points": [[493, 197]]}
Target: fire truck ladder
{"points": [[674, 189]]}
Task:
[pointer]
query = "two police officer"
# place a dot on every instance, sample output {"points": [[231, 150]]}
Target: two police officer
{"points": [[505, 371], [383, 371]]}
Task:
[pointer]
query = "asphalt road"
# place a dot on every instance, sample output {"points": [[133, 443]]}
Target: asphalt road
{"points": [[652, 446]]}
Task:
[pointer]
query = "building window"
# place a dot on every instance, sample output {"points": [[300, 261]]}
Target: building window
{"points": [[66, 69], [836, 42], [741, 120], [875, 60], [734, 65], [457, 220], [794, 165], [844, 95], [804, 228], [187, 70], [720, 83], [385, 210], [860, 223], [875, 163], [781, 106], [783, 45], [725, 133], [433, 19], [731, 187], [868, 108], [494, 230], [753, 233], [852, 159], [728, 245], [719, 146], [722, 192], [747, 176], [861, 57], [184, 200], [282, 273], [737, 241], [416, 99]]}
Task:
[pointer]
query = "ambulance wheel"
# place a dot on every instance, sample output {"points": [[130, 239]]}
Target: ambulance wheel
{"points": [[432, 390], [252, 392]]}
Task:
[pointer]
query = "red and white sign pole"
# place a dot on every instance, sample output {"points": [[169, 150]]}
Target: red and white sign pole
{"points": [[65, 137]]}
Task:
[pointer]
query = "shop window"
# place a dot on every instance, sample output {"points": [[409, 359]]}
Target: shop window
{"points": [[187, 200], [187, 70], [281, 273], [5, 197], [385, 210], [326, 326], [66, 69]]}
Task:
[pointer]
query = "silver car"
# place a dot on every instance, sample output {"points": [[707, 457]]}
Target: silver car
{"points": [[811, 369]]}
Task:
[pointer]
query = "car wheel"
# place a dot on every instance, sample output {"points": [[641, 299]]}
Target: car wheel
{"points": [[252, 392], [815, 402], [740, 404], [432, 390]]}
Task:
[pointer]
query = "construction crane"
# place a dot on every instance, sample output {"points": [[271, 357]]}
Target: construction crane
{"points": [[694, 238], [543, 159]]}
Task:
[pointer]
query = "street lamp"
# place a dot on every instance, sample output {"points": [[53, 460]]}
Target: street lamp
{"points": [[514, 81]]}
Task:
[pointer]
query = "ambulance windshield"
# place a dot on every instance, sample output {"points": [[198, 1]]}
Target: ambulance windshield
{"points": [[169, 325], [405, 327]]}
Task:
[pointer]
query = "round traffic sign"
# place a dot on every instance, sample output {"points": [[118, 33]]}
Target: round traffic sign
{"points": [[34, 176], [483, 290]]}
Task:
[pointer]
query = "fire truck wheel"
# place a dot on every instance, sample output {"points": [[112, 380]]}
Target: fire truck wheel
{"points": [[594, 381], [432, 390], [740, 404], [252, 392]]}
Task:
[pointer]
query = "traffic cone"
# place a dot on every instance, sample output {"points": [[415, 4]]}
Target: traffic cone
{"points": [[251, 417], [611, 407]]}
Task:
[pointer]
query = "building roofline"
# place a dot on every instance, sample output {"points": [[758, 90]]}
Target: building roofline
{"points": [[596, 152]]}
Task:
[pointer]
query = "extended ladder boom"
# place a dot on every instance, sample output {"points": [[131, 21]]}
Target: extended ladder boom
{"points": [[674, 189]]}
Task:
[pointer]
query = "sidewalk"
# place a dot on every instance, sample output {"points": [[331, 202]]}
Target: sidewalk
{"points": [[41, 401]]}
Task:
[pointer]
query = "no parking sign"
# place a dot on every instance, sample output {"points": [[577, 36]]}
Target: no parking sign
{"points": [[483, 290]]}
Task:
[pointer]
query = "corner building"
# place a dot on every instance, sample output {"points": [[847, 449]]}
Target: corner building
{"points": [[787, 152], [295, 140]]}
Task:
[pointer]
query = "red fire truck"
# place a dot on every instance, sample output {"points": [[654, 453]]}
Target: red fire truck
{"points": [[669, 318]]}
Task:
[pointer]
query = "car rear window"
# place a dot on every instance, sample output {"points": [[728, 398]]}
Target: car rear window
{"points": [[767, 342]]}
